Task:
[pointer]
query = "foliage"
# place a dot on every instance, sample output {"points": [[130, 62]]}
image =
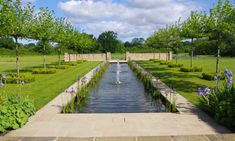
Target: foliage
{"points": [[212, 76], [43, 71], [220, 102], [108, 41], [172, 65], [15, 111], [6, 42], [193, 69], [22, 78]]}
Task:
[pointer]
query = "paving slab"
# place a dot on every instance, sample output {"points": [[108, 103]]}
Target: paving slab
{"points": [[158, 138], [10, 138], [115, 138], [227, 137], [39, 139], [190, 138], [213, 138], [74, 139]]}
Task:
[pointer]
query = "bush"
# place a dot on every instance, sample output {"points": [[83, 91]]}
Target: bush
{"points": [[164, 62], [194, 69], [12, 78], [171, 65], [14, 111], [43, 71], [211, 76], [220, 102]]}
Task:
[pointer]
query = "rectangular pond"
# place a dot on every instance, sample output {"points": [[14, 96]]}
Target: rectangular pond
{"points": [[128, 96]]}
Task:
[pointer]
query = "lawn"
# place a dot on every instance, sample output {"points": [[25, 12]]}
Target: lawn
{"points": [[118, 56], [187, 83], [46, 86], [7, 63]]}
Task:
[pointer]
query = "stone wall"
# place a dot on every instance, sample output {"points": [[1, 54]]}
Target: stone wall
{"points": [[88, 57], [147, 56]]}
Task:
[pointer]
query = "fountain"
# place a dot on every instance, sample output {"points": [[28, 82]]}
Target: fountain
{"points": [[118, 73]]}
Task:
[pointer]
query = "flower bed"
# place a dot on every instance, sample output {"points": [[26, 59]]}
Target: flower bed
{"points": [[220, 102]]}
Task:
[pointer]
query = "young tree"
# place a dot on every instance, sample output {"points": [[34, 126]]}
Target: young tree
{"points": [[16, 22], [219, 25], [44, 29], [192, 29]]}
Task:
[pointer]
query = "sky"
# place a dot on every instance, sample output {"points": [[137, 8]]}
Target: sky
{"points": [[129, 18]]}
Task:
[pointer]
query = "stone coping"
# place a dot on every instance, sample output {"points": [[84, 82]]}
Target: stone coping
{"points": [[218, 137]]}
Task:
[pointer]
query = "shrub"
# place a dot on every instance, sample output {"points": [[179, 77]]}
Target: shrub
{"points": [[197, 69], [164, 63], [171, 65], [15, 111], [12, 78], [194, 69], [62, 67], [220, 102], [184, 69], [212, 76], [43, 71]]}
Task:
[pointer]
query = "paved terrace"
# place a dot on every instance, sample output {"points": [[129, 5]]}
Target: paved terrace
{"points": [[48, 122], [225, 137]]}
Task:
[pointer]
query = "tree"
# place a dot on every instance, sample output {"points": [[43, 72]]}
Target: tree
{"points": [[44, 29], [108, 41], [192, 29], [16, 22], [220, 25]]}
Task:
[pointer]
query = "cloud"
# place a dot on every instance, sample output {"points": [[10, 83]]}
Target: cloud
{"points": [[28, 1], [132, 18]]}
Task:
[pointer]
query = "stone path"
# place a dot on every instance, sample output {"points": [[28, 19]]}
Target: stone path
{"points": [[48, 122], [225, 137]]}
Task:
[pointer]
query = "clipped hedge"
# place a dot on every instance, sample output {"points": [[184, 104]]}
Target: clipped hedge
{"points": [[43, 71], [164, 63], [12, 78], [15, 111], [171, 65], [211, 76], [193, 69], [58, 67]]}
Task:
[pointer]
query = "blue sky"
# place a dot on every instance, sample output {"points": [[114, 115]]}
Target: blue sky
{"points": [[129, 18]]}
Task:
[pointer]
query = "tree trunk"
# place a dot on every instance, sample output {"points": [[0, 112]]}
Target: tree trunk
{"points": [[191, 57], [44, 56], [176, 58], [17, 57], [59, 56], [217, 60]]}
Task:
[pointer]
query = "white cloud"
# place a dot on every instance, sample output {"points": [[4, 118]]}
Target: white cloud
{"points": [[135, 18], [27, 1]]}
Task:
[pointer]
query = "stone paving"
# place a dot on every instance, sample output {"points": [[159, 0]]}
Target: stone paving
{"points": [[225, 137], [48, 122]]}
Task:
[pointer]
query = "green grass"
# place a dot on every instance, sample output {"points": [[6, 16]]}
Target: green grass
{"points": [[7, 63], [187, 83], [118, 56], [46, 86]]}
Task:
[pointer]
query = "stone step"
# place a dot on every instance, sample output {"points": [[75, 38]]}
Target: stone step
{"points": [[219, 137]]}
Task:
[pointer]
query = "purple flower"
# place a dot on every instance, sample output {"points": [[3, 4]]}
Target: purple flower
{"points": [[215, 77], [230, 73], [206, 91], [226, 71], [4, 76], [230, 80], [200, 92]]}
